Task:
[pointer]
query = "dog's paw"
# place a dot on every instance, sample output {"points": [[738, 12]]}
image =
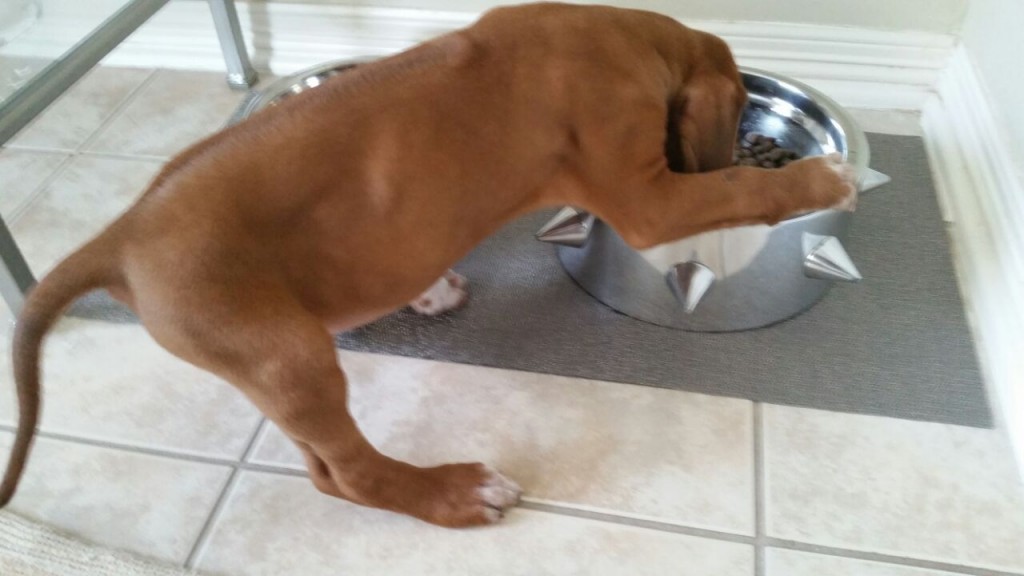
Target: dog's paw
{"points": [[448, 293], [821, 182], [455, 279], [470, 495], [498, 493], [848, 182]]}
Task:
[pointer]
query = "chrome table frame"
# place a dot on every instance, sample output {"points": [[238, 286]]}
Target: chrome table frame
{"points": [[28, 102]]}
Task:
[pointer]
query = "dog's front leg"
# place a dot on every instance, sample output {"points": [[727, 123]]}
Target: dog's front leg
{"points": [[284, 361], [670, 205]]}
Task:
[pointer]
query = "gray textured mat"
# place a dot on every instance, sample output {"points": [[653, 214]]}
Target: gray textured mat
{"points": [[895, 345]]}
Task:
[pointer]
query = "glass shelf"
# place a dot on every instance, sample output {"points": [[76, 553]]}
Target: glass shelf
{"points": [[34, 34], [47, 45], [50, 44]]}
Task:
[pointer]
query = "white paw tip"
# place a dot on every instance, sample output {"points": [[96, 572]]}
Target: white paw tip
{"points": [[499, 491], [455, 280], [493, 515], [447, 294]]}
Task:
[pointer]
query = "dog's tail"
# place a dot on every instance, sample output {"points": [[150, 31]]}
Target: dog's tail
{"points": [[95, 265]]}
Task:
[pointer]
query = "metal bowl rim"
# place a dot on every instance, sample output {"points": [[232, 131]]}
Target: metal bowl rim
{"points": [[856, 141], [262, 97]]}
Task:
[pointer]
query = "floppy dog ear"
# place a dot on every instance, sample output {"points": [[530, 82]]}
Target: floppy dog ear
{"points": [[708, 119]]}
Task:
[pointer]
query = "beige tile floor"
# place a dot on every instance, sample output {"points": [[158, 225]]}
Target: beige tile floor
{"points": [[142, 452]]}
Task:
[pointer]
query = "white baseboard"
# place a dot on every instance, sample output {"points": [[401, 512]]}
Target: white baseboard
{"points": [[982, 195], [861, 68]]}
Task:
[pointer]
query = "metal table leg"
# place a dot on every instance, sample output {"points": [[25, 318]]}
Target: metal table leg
{"points": [[15, 276], [241, 74], [24, 105]]}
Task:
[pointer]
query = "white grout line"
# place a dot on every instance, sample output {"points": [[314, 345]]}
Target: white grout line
{"points": [[760, 476], [625, 516], [884, 558], [38, 190], [138, 449], [167, 453], [200, 545], [125, 156], [761, 541], [116, 112], [636, 522], [41, 150], [72, 154]]}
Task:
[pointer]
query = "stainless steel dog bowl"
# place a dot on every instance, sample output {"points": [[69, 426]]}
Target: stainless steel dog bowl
{"points": [[725, 280], [288, 86], [738, 278]]}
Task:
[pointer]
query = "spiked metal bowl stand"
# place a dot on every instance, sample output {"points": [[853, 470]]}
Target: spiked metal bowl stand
{"points": [[739, 278]]}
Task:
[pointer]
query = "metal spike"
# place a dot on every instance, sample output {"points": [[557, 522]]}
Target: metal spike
{"points": [[570, 227], [829, 261], [871, 179], [690, 281]]}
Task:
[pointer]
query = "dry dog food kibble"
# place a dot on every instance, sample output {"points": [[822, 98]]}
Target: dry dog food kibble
{"points": [[760, 150]]}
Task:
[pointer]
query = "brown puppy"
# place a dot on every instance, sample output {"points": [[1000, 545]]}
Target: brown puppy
{"points": [[345, 202]]}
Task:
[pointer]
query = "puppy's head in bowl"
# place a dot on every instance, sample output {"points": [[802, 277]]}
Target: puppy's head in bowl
{"points": [[739, 278]]}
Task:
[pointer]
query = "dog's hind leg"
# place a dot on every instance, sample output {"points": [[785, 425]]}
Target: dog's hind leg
{"points": [[284, 360], [342, 463]]}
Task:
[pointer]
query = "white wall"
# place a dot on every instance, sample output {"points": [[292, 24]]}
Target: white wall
{"points": [[992, 45], [993, 37], [941, 16]]}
